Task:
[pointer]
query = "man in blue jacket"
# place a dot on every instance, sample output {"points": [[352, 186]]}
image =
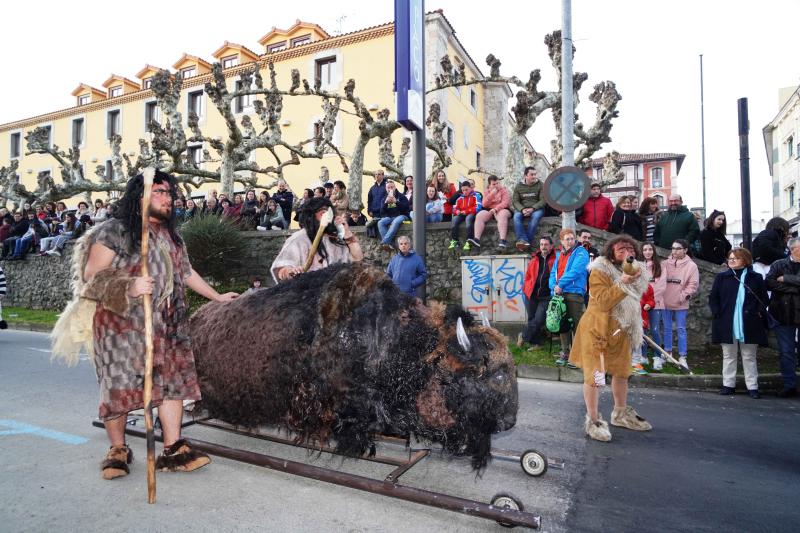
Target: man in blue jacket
{"points": [[406, 268], [568, 278]]}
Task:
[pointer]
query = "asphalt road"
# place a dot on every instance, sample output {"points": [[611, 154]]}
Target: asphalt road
{"points": [[711, 464]]}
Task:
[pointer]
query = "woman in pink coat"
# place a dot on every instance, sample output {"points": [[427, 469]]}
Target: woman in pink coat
{"points": [[496, 202], [682, 281]]}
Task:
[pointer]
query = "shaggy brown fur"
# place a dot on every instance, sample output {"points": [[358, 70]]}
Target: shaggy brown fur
{"points": [[180, 457], [116, 462], [341, 354], [110, 287]]}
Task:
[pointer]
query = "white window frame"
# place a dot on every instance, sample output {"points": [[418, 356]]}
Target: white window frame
{"points": [[109, 165], [199, 148], [789, 147], [337, 134], [246, 105], [147, 83], [478, 158], [52, 132], [157, 115], [108, 115], [653, 177], [466, 135], [277, 47], [115, 91], [449, 136], [21, 151], [473, 94], [304, 39], [233, 59], [188, 72], [82, 144], [201, 114], [88, 98], [336, 74]]}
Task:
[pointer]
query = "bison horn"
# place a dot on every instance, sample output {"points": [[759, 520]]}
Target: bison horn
{"points": [[484, 320], [461, 334]]}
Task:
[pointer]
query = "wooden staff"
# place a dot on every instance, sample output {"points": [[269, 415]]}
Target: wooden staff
{"points": [[326, 219], [147, 301], [667, 355]]}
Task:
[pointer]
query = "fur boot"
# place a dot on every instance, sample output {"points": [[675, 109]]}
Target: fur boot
{"points": [[627, 417], [597, 430], [116, 462], [181, 458]]}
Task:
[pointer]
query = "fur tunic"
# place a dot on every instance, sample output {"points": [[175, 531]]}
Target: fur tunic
{"points": [[612, 324]]}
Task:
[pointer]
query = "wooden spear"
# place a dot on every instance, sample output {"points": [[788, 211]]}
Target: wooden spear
{"points": [[147, 301], [326, 219], [667, 355]]}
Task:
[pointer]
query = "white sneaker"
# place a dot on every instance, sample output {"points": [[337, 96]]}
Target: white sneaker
{"points": [[658, 363], [682, 361]]}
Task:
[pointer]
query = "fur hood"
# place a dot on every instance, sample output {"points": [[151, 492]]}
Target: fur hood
{"points": [[628, 312]]}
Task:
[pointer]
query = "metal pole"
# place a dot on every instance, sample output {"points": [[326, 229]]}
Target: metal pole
{"points": [[567, 102], [702, 137], [420, 168], [744, 172]]}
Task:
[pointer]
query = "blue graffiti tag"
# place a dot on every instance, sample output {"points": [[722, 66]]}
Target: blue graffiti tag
{"points": [[480, 273], [510, 279]]}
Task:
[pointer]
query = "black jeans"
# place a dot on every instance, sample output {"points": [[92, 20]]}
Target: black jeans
{"points": [[537, 307], [457, 220]]}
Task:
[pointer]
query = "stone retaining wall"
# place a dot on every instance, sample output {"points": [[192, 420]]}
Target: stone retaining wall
{"points": [[43, 282]]}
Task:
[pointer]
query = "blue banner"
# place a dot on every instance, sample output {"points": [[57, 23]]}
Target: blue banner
{"points": [[409, 57]]}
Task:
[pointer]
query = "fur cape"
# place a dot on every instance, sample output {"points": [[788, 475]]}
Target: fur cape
{"points": [[628, 312]]}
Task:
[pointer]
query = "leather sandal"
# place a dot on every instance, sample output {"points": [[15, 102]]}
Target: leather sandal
{"points": [[116, 462]]}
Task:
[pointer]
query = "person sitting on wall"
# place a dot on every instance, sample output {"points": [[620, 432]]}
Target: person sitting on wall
{"points": [[496, 204], [394, 212], [466, 205], [528, 202]]}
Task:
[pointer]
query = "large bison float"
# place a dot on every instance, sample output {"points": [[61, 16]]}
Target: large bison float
{"points": [[341, 355]]}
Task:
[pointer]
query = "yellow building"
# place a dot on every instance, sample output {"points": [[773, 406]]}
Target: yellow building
{"points": [[476, 115]]}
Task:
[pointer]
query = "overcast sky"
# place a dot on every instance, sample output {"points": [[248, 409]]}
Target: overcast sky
{"points": [[649, 49]]}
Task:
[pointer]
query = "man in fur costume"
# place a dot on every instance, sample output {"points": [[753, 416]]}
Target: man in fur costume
{"points": [[606, 334], [335, 247], [106, 317]]}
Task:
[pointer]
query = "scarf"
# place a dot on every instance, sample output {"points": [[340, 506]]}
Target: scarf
{"points": [[738, 321], [563, 259]]}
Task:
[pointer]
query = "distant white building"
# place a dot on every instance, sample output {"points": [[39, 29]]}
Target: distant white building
{"points": [[782, 142]]}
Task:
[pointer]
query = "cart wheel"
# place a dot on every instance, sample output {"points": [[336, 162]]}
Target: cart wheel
{"points": [[533, 463], [504, 500]]}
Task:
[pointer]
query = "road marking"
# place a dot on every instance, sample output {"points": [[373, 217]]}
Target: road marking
{"points": [[83, 356], [21, 428]]}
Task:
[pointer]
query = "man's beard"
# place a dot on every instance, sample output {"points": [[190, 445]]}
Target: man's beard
{"points": [[163, 215]]}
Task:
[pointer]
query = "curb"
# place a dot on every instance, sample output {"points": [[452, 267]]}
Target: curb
{"points": [[701, 382], [30, 326]]}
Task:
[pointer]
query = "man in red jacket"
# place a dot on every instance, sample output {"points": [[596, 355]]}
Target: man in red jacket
{"points": [[536, 289], [597, 210]]}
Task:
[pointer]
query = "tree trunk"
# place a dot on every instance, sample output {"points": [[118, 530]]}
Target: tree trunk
{"points": [[515, 157], [356, 177]]}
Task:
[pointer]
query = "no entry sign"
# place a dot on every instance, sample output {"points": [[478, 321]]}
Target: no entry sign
{"points": [[566, 188]]}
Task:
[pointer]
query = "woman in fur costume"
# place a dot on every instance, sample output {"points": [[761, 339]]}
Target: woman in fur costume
{"points": [[610, 327]]}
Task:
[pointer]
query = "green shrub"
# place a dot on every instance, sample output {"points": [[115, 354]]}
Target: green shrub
{"points": [[215, 245]]}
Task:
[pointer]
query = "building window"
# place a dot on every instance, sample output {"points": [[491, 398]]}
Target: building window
{"points": [[636, 172], [449, 135], [85, 99], [147, 83], [16, 145], [303, 39], [276, 47], [477, 160], [790, 190], [230, 61], [656, 177], [195, 154], [196, 103], [473, 99], [115, 91], [324, 70], [790, 147], [659, 199], [152, 113], [113, 124], [49, 130], [109, 170], [598, 173], [188, 72], [77, 132], [243, 101]]}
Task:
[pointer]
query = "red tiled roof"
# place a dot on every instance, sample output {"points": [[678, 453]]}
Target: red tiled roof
{"points": [[643, 158]]}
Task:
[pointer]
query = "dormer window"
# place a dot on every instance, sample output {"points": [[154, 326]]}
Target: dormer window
{"points": [[303, 39], [276, 47], [113, 92], [230, 61], [85, 99], [188, 72], [147, 83]]}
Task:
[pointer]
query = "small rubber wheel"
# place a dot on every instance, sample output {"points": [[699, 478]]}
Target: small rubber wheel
{"points": [[533, 463], [504, 500]]}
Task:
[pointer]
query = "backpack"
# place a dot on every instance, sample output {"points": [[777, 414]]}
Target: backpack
{"points": [[556, 318]]}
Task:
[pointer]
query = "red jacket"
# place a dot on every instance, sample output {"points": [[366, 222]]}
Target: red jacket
{"points": [[597, 212], [648, 298], [450, 191], [468, 205], [533, 272]]}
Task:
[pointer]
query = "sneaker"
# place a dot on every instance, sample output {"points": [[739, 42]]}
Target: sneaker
{"points": [[597, 430], [562, 359], [453, 244], [55, 253], [466, 247], [754, 394], [502, 244], [570, 365], [522, 246], [658, 364], [639, 369], [682, 362], [474, 242], [386, 247], [627, 417], [727, 391]]}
